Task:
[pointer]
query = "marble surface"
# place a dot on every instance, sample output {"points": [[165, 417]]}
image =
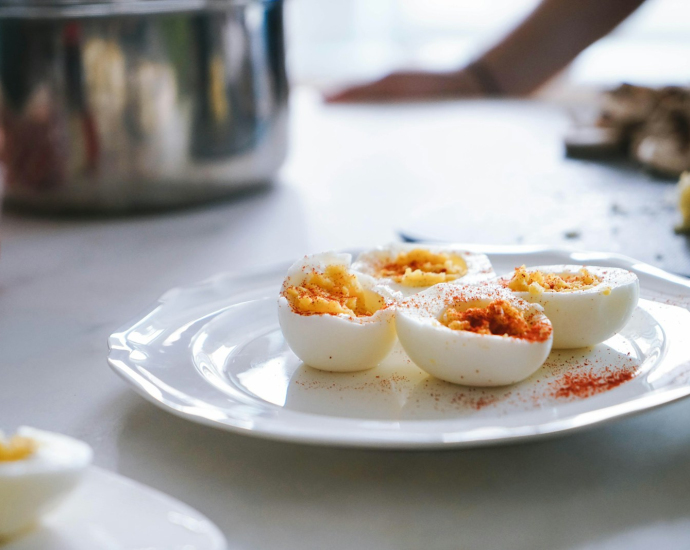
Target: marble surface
{"points": [[354, 177]]}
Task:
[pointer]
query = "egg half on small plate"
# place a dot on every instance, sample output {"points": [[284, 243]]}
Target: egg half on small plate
{"points": [[38, 470]]}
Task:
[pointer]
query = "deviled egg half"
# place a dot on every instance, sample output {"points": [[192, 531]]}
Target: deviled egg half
{"points": [[586, 305], [37, 470], [412, 268], [474, 335], [334, 319]]}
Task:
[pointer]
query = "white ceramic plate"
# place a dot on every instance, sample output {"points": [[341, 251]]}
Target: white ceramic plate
{"points": [[108, 511], [213, 353]]}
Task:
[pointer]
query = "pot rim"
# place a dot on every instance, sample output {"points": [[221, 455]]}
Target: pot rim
{"points": [[61, 9]]}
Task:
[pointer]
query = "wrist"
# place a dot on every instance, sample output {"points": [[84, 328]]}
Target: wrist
{"points": [[457, 84], [484, 79]]}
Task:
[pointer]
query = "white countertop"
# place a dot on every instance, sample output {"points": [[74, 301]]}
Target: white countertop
{"points": [[354, 176]]}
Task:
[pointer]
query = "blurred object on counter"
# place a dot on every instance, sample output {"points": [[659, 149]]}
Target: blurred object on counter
{"points": [[133, 105], [663, 142], [650, 125], [684, 203], [621, 112]]}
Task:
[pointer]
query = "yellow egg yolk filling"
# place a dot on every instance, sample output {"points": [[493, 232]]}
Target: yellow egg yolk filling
{"points": [[420, 267], [500, 318], [16, 448], [536, 282], [335, 291]]}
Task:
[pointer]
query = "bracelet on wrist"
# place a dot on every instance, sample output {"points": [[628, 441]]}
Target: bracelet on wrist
{"points": [[485, 78]]}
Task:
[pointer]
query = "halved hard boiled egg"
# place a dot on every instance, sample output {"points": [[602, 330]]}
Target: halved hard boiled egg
{"points": [[37, 470], [334, 319], [412, 268], [474, 335], [586, 305]]}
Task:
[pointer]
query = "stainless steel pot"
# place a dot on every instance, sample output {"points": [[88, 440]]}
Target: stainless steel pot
{"points": [[131, 104]]}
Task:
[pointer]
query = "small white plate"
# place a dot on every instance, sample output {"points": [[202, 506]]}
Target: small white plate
{"points": [[108, 511], [214, 353]]}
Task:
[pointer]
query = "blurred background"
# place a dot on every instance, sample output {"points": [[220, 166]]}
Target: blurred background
{"points": [[339, 41], [139, 105]]}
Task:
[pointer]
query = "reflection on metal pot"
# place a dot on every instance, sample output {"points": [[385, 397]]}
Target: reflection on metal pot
{"points": [[107, 112]]}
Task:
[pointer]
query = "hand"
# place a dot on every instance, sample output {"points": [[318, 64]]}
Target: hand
{"points": [[405, 86]]}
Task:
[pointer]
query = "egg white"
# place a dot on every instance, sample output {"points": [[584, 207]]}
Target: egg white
{"points": [[32, 486], [337, 343], [479, 267], [582, 318], [463, 357]]}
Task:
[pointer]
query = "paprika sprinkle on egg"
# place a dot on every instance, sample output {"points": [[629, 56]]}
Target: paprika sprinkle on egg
{"points": [[420, 267], [500, 318], [334, 291], [537, 282]]}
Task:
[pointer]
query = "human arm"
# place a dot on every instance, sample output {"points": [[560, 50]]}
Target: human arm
{"points": [[543, 44]]}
